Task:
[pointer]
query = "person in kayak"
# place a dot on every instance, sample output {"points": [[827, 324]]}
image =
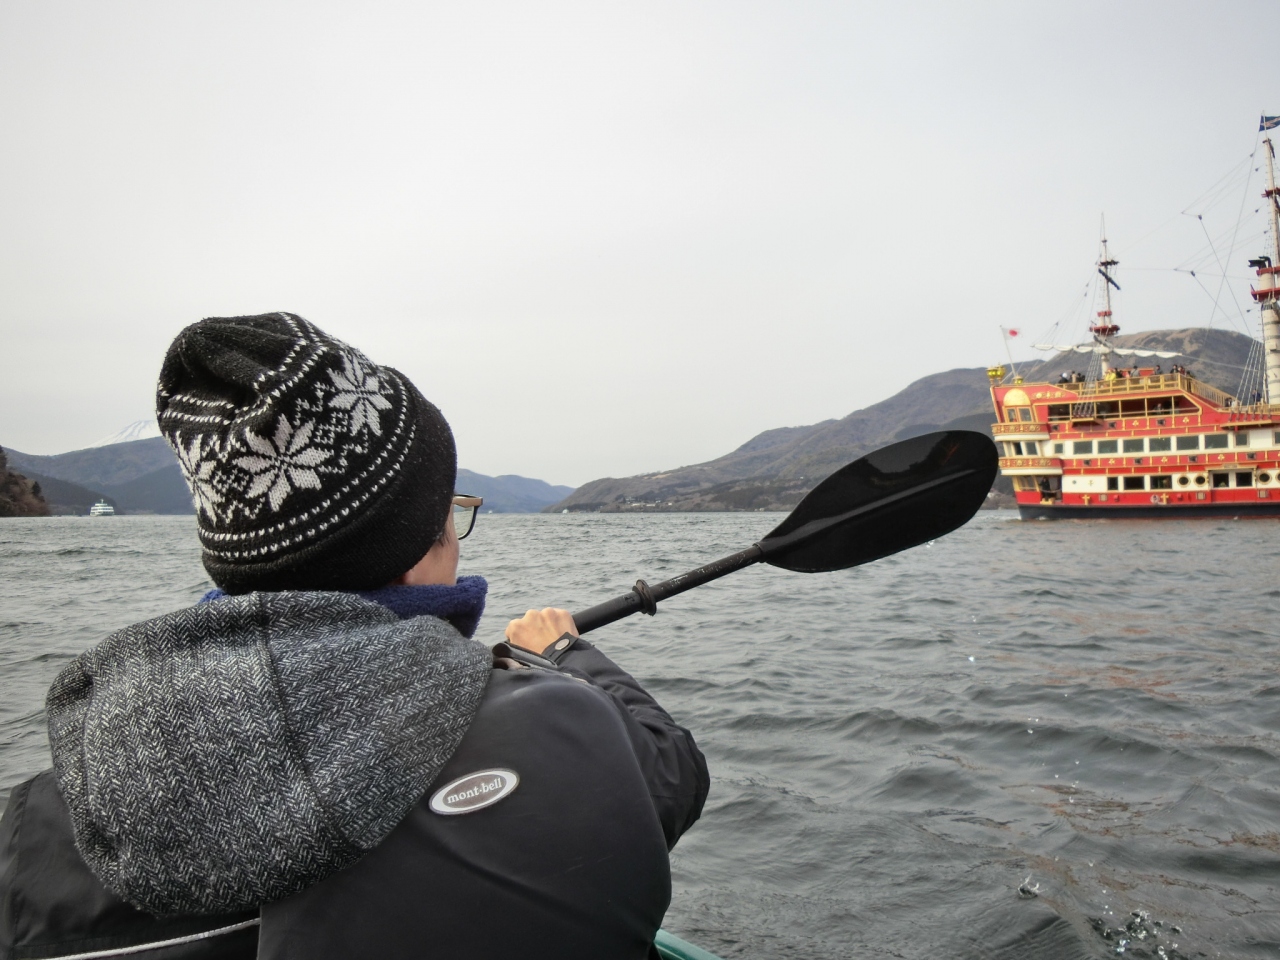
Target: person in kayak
{"points": [[317, 760]]}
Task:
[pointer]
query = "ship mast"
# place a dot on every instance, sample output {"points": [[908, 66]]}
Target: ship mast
{"points": [[1268, 293], [1105, 328]]}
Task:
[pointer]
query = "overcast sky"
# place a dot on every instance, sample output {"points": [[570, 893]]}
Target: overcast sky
{"points": [[604, 238]]}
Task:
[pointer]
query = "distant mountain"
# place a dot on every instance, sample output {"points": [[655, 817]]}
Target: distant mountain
{"points": [[98, 467], [160, 491], [142, 476], [138, 430], [509, 493], [774, 469]]}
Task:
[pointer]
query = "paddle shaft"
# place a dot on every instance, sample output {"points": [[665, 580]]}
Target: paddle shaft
{"points": [[644, 598]]}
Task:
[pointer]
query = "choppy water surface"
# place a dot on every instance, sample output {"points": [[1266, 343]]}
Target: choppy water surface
{"points": [[1087, 711]]}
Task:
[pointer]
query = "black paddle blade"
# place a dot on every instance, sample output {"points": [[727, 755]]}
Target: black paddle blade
{"points": [[897, 497]]}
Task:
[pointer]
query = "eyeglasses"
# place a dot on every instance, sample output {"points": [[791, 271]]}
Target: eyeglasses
{"points": [[465, 509]]}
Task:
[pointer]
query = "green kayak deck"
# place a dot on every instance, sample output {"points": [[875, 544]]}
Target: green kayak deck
{"points": [[671, 947]]}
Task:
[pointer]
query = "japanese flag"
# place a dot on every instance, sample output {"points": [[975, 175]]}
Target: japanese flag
{"points": [[1011, 331]]}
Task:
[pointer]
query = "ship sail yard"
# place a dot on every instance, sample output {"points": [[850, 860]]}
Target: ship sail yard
{"points": [[1143, 440]]}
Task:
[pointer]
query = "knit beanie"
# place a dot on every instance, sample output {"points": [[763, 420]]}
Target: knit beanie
{"points": [[310, 467]]}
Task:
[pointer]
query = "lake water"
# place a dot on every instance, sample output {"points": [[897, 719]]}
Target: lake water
{"points": [[1088, 712]]}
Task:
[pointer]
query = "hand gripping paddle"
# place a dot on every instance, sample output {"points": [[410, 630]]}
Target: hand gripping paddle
{"points": [[897, 497]]}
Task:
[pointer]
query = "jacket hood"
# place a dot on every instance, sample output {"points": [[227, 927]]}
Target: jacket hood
{"points": [[235, 752]]}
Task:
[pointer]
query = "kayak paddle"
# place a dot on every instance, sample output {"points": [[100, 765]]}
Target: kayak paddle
{"points": [[897, 497]]}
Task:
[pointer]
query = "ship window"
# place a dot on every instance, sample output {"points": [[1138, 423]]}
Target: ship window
{"points": [[1221, 480], [1244, 478], [1188, 443], [1133, 445], [1276, 439], [1062, 411], [1264, 477], [1215, 441], [1109, 409], [1200, 480], [1134, 483], [1057, 447], [1108, 446], [1162, 483], [1183, 480], [1030, 447], [1160, 405], [1113, 483], [1016, 450], [1133, 408], [1242, 439], [1155, 444], [1024, 414], [1081, 446]]}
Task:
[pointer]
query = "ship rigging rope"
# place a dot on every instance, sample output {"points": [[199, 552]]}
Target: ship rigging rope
{"points": [[1204, 257], [1214, 299], [1240, 173], [1222, 278], [1235, 233], [1206, 201], [1224, 183]]}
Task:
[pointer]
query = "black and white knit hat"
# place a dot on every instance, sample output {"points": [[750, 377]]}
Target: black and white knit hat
{"points": [[311, 468]]}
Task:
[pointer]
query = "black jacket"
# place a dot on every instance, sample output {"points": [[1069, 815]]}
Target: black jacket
{"points": [[570, 863]]}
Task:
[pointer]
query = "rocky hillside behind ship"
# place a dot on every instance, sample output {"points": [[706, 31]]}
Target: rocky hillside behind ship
{"points": [[774, 469], [20, 496]]}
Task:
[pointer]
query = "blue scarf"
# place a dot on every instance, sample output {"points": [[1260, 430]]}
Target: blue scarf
{"points": [[461, 604]]}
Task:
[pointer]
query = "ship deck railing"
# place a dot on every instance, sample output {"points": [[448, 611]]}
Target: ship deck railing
{"points": [[1163, 381], [1259, 412]]}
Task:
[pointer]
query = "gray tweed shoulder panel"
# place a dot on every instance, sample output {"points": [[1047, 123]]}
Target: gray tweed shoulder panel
{"points": [[233, 753]]}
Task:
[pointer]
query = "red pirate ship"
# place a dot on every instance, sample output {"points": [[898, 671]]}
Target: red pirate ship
{"points": [[1143, 441]]}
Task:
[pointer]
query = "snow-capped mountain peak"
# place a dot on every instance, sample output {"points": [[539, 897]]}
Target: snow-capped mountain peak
{"points": [[138, 430]]}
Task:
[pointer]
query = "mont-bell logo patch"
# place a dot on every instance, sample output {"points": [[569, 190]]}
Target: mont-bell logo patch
{"points": [[474, 792]]}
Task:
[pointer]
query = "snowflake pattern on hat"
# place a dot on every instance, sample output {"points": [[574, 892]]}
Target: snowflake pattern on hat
{"points": [[297, 447], [283, 464], [326, 402], [358, 391], [329, 428], [294, 456], [198, 470]]}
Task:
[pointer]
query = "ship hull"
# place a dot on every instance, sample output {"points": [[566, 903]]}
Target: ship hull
{"points": [[1119, 512]]}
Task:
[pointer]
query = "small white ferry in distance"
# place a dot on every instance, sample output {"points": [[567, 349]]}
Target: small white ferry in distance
{"points": [[102, 509]]}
